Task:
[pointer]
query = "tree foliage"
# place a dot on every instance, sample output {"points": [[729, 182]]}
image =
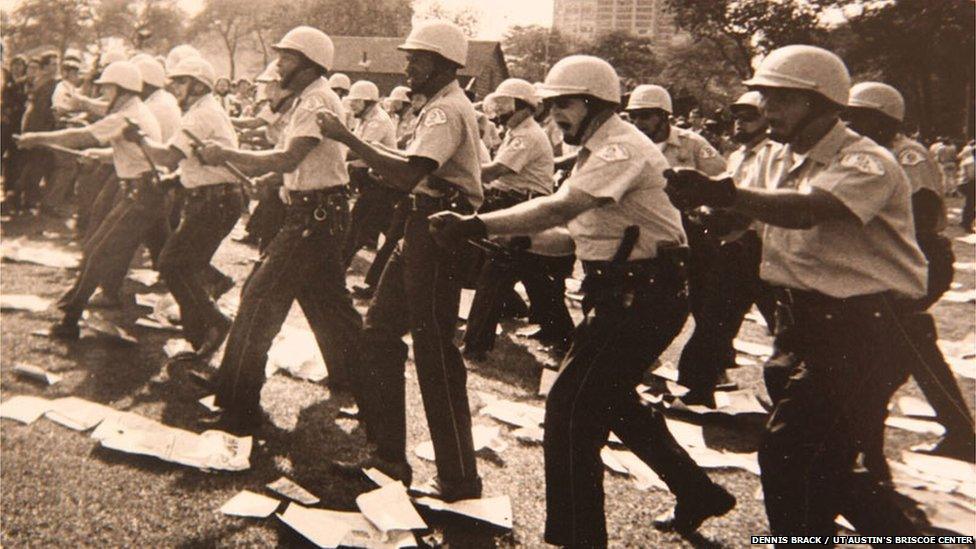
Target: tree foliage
{"points": [[531, 50], [468, 18]]}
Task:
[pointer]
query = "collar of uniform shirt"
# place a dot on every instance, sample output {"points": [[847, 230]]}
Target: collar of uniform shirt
{"points": [[674, 138], [826, 149], [599, 135], [449, 88], [118, 107]]}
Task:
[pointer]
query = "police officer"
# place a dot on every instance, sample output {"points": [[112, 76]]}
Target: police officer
{"points": [[131, 217], [340, 84], [650, 109], [373, 209], [632, 245], [521, 170], [420, 288], [214, 203], [304, 260], [405, 117], [840, 249], [876, 110]]}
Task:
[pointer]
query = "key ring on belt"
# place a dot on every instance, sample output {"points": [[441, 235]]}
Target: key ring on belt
{"points": [[319, 213]]}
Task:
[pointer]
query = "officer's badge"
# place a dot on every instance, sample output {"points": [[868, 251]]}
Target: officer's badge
{"points": [[517, 144], [863, 163], [910, 157], [434, 117], [707, 152], [613, 153]]}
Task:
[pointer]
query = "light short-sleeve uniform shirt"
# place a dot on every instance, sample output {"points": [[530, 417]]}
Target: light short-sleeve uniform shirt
{"points": [[686, 149], [166, 109], [527, 152], [621, 165], [208, 121], [447, 133], [922, 171], [375, 126], [127, 157], [325, 165], [871, 251], [747, 167]]}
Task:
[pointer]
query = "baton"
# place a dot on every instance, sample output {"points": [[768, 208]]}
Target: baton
{"points": [[145, 153], [230, 167]]}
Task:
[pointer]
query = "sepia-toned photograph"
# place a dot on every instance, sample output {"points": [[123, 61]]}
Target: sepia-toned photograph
{"points": [[487, 273]]}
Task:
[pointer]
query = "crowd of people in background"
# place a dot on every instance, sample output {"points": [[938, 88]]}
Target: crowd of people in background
{"points": [[669, 214]]}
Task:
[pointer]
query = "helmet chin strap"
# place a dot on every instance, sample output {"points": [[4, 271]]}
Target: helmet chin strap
{"points": [[592, 115]]}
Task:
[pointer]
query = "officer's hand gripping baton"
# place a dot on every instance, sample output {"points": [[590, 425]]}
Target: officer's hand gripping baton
{"points": [[230, 167]]}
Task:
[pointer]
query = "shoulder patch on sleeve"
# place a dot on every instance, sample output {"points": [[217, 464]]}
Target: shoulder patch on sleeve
{"points": [[516, 144], [313, 103], [910, 157], [435, 117], [706, 152], [613, 153], [863, 163]]}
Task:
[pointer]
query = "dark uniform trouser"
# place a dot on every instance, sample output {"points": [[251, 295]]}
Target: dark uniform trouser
{"points": [[185, 259], [728, 286], [267, 218], [391, 239], [303, 262], [370, 214], [418, 292], [91, 180], [154, 238], [35, 165], [968, 190], [108, 250], [107, 197], [851, 351], [595, 393], [545, 283]]}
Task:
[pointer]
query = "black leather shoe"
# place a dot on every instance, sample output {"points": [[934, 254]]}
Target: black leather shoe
{"points": [[216, 335], [451, 491], [951, 446], [700, 398], [237, 424], [65, 329], [397, 470], [225, 285], [363, 291], [688, 514]]}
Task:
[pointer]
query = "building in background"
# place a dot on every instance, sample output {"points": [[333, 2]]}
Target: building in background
{"points": [[586, 19]]}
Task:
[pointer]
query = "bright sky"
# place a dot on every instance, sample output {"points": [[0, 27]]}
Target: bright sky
{"points": [[495, 15]]}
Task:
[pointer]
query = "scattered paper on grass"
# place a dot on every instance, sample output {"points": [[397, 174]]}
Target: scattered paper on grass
{"points": [[378, 477], [945, 511], [911, 406], [23, 302], [118, 423], [968, 239], [708, 458], [518, 414], [157, 324], [757, 317], [464, 307], [687, 434], [78, 414], [389, 508], [609, 458], [317, 526], [209, 402], [249, 504], [942, 467], [36, 373], [293, 491], [148, 300], [728, 403], [966, 367], [296, 352], [530, 435], [208, 450], [964, 266], [24, 408], [485, 437], [146, 277], [495, 510], [742, 360], [644, 477], [106, 328], [362, 533], [48, 255], [666, 371], [751, 348], [175, 347], [546, 380], [843, 523], [915, 425], [953, 296]]}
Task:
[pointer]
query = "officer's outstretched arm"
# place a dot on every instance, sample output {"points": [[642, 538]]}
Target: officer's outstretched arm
{"points": [[72, 138], [788, 208], [261, 162], [541, 213], [491, 172]]}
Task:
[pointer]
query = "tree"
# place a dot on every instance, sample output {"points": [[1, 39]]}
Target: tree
{"points": [[51, 23], [923, 48], [468, 18], [230, 20], [632, 56], [739, 30], [697, 76], [531, 50]]}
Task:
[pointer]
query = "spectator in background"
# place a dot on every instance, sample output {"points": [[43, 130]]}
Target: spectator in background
{"points": [[12, 106], [39, 116]]}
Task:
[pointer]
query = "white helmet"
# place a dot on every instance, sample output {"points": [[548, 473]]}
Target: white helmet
{"points": [[400, 93], [496, 104], [123, 74], [441, 37], [152, 72], [748, 99], [804, 68], [312, 43], [178, 54], [112, 56], [582, 75], [365, 90], [650, 96], [880, 97], [197, 68], [340, 81], [269, 74], [516, 88]]}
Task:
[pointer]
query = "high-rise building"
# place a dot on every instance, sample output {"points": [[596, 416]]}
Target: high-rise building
{"points": [[588, 18]]}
